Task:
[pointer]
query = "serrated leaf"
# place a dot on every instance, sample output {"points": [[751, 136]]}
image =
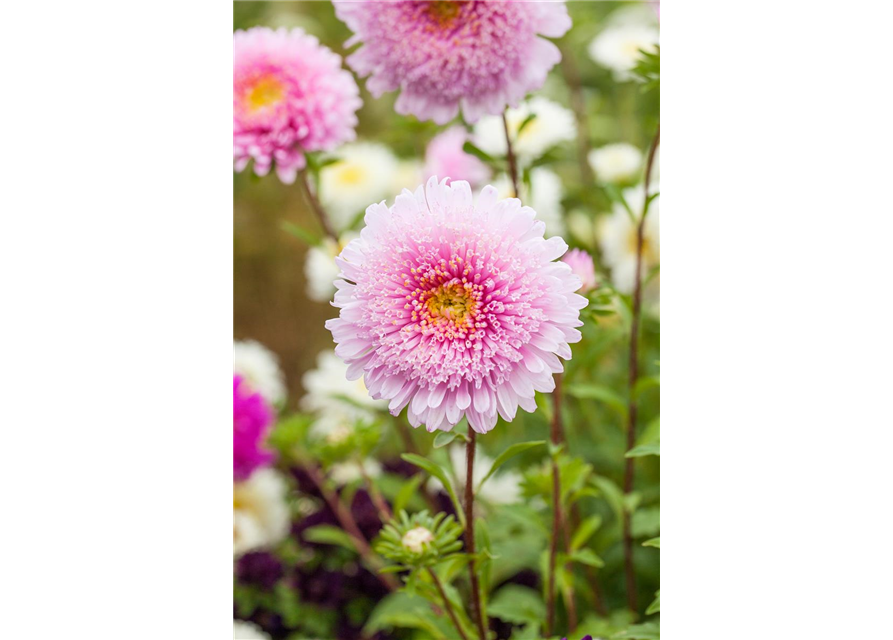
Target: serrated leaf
{"points": [[650, 449]]}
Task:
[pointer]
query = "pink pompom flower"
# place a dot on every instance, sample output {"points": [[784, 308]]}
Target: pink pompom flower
{"points": [[482, 55], [446, 157], [251, 422], [455, 308], [581, 264], [290, 96]]}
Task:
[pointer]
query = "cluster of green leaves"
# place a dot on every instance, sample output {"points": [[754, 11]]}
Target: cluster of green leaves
{"points": [[444, 532]]}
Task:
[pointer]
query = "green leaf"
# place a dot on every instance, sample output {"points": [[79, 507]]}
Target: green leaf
{"points": [[327, 534], [647, 631], [651, 432], [654, 542], [468, 147], [654, 607], [300, 233], [506, 455], [530, 118], [598, 392], [517, 605], [444, 438], [612, 494], [588, 527], [650, 449], [438, 472], [406, 492], [645, 383], [645, 522], [587, 557]]}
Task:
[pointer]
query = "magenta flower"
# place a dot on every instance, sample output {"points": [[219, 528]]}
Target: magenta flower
{"points": [[290, 95], [251, 422], [445, 157], [484, 55], [581, 264], [453, 308]]}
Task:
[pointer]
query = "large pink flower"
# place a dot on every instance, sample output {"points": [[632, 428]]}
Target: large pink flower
{"points": [[455, 308], [251, 423], [484, 54], [290, 95]]}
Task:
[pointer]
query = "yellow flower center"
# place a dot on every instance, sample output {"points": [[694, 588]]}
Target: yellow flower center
{"points": [[453, 302], [443, 11], [266, 92], [351, 175]]}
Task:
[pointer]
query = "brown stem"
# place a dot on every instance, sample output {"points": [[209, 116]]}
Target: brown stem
{"points": [[633, 378], [578, 104], [345, 518], [384, 511], [510, 154], [556, 436], [447, 605], [469, 534], [318, 208]]}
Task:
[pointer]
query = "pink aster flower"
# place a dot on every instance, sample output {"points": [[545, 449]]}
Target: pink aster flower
{"points": [[454, 308], [581, 264], [251, 421], [482, 54], [445, 157], [290, 95]]}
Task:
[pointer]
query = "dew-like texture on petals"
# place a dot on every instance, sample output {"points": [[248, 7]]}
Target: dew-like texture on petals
{"points": [[482, 55], [251, 422], [290, 95], [455, 308]]}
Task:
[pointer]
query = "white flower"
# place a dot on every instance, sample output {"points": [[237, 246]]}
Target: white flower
{"points": [[501, 488], [343, 473], [320, 269], [619, 162], [260, 513], [617, 47], [259, 367], [617, 238], [416, 539], [337, 401], [545, 196], [247, 631], [552, 125], [362, 176]]}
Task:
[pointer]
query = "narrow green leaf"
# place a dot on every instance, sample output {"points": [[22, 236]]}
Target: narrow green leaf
{"points": [[587, 557], [468, 147], [300, 233], [588, 527], [654, 542], [650, 449], [506, 455], [644, 383], [654, 607], [327, 534], [444, 438], [438, 472], [647, 631], [612, 494], [530, 118]]}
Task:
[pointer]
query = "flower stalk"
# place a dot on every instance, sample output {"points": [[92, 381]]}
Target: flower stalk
{"points": [[633, 378], [555, 434], [317, 207], [476, 608], [510, 155], [446, 603], [346, 519]]}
